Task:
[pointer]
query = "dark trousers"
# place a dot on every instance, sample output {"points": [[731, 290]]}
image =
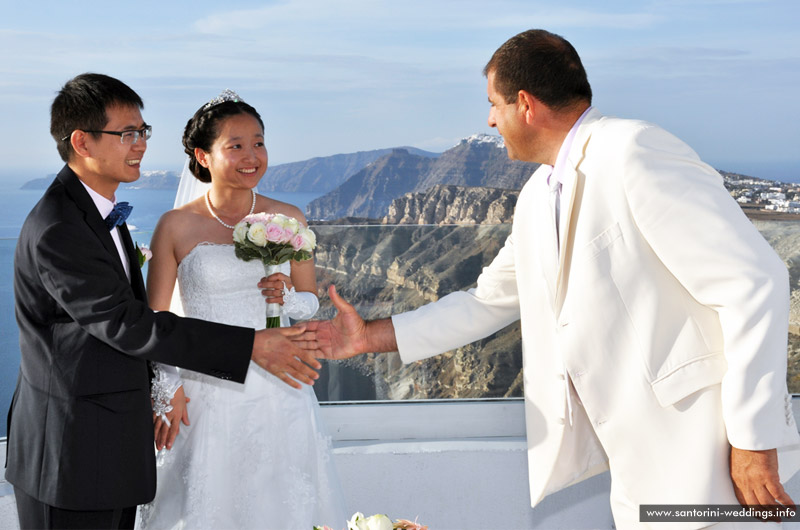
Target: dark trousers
{"points": [[35, 515]]}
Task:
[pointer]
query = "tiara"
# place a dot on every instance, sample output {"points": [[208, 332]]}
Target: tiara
{"points": [[225, 95]]}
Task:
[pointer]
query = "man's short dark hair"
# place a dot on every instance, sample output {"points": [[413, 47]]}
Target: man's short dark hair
{"points": [[82, 103], [543, 64]]}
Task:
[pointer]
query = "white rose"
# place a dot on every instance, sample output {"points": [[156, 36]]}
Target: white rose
{"points": [[257, 234], [240, 233], [378, 522], [287, 223], [279, 219], [355, 522], [375, 522], [309, 239], [292, 224]]}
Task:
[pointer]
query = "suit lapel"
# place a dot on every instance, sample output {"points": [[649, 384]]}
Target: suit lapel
{"points": [[571, 206], [90, 214], [133, 263], [571, 198], [538, 210]]}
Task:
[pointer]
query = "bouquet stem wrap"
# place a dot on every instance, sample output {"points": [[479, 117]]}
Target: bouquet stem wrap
{"points": [[273, 310]]}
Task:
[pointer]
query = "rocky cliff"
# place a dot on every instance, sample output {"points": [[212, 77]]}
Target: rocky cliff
{"points": [[442, 204], [369, 192], [384, 270], [480, 160]]}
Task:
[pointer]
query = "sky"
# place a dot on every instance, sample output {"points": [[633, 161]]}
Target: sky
{"points": [[343, 76]]}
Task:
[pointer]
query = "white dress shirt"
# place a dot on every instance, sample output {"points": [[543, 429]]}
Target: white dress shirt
{"points": [[104, 206]]}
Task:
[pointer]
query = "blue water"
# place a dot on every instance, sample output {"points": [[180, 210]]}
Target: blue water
{"points": [[148, 206]]}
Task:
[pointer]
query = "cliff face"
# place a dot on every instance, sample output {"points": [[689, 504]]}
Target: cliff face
{"points": [[454, 205], [477, 161], [369, 192], [385, 270]]}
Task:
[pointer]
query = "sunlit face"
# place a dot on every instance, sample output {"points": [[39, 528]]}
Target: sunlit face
{"points": [[111, 161], [506, 118], [238, 157]]}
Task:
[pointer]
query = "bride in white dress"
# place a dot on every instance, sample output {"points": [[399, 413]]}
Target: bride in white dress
{"points": [[252, 455]]}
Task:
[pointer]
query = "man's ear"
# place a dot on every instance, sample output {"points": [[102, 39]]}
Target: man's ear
{"points": [[78, 141], [528, 105]]}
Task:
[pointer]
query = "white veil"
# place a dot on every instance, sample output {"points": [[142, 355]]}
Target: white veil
{"points": [[189, 189]]}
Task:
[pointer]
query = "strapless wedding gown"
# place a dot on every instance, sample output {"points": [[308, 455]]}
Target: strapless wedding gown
{"points": [[255, 455]]}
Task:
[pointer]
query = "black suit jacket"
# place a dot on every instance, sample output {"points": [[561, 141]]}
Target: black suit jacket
{"points": [[80, 425]]}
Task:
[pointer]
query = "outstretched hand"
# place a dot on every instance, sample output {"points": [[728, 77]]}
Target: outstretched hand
{"points": [[343, 337], [274, 351]]}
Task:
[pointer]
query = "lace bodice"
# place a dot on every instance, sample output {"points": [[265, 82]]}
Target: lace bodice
{"points": [[216, 285]]}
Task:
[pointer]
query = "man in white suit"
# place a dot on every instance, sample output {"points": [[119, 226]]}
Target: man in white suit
{"points": [[654, 315]]}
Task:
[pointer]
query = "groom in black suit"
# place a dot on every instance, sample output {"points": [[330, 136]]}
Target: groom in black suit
{"points": [[80, 426]]}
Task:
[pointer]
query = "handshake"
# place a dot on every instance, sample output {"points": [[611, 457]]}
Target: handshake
{"points": [[291, 353]]}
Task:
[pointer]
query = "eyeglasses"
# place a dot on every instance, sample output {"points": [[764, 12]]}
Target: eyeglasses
{"points": [[126, 137]]}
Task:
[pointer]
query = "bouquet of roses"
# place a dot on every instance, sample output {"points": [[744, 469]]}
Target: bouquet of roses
{"points": [[377, 522], [273, 239]]}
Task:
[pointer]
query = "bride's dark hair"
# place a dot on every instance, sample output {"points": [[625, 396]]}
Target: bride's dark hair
{"points": [[202, 130]]}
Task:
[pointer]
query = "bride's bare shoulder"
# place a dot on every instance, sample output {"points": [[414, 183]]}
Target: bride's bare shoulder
{"points": [[187, 213], [181, 222]]}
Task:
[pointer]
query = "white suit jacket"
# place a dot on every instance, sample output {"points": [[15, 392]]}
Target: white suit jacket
{"points": [[661, 285]]}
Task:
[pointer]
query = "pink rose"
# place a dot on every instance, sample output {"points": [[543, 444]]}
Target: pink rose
{"points": [[297, 242], [275, 233]]}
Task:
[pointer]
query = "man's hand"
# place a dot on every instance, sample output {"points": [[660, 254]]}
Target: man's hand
{"points": [[755, 478], [343, 337], [274, 351], [165, 435]]}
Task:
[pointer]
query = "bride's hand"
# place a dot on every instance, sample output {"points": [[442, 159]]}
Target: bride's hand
{"points": [[165, 435], [272, 287]]}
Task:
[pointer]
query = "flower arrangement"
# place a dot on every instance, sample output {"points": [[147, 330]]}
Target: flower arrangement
{"points": [[377, 522], [144, 254], [273, 239]]}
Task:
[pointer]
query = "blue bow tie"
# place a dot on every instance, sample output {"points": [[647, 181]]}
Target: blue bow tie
{"points": [[118, 215]]}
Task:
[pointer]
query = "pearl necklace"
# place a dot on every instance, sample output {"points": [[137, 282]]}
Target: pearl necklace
{"points": [[215, 216]]}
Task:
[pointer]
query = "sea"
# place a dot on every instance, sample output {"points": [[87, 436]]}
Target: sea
{"points": [[15, 203]]}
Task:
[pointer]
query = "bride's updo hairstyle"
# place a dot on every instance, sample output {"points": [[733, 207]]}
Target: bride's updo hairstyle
{"points": [[202, 129]]}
